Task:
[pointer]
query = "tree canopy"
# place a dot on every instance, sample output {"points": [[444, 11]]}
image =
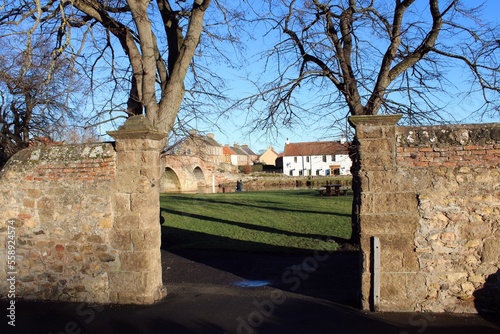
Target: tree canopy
{"points": [[355, 57], [365, 57], [136, 53], [36, 94]]}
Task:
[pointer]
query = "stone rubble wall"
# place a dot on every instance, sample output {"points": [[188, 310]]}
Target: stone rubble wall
{"points": [[432, 197], [85, 220], [60, 201], [455, 171]]}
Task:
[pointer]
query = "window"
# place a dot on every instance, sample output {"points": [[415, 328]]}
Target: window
{"points": [[307, 159], [324, 158], [294, 159], [333, 158]]}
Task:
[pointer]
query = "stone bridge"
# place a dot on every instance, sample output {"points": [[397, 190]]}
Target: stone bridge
{"points": [[182, 173]]}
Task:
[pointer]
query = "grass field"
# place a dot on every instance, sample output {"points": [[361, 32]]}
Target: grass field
{"points": [[293, 221]]}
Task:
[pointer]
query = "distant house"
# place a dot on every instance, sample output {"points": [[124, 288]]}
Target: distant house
{"points": [[269, 157], [204, 147], [242, 157], [229, 156], [316, 158], [251, 154], [279, 162]]}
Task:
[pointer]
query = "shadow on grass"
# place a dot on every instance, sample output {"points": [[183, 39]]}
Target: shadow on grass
{"points": [[269, 205], [254, 227]]}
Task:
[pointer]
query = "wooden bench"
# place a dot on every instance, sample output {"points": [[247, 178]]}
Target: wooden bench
{"points": [[333, 190]]}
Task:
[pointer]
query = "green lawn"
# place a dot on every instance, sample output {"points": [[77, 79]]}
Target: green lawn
{"points": [[267, 221]]}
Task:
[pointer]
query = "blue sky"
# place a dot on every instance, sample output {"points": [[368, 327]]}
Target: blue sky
{"points": [[237, 127]]}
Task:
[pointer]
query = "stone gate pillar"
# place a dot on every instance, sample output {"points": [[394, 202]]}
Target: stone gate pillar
{"points": [[136, 232], [387, 209]]}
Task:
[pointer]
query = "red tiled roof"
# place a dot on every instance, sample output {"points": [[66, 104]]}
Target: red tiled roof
{"points": [[315, 148], [226, 150]]}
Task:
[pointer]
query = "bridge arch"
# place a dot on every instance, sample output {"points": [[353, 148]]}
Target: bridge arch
{"points": [[199, 176], [169, 181]]}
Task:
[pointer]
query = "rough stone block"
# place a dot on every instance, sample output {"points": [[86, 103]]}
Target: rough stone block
{"points": [[128, 160], [381, 146], [150, 158], [121, 240], [375, 224], [147, 239], [134, 298], [417, 287], [394, 293], [127, 221], [133, 184], [377, 162], [152, 279], [367, 206], [389, 181], [369, 132], [150, 218], [137, 261], [122, 202], [491, 251], [398, 253], [126, 282], [143, 201], [395, 202]]}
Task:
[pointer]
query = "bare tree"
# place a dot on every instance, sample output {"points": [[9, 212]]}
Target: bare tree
{"points": [[35, 94], [366, 57], [140, 55]]}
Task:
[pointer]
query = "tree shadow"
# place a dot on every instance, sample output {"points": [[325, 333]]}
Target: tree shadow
{"points": [[487, 298], [203, 259], [332, 276], [254, 227], [266, 205]]}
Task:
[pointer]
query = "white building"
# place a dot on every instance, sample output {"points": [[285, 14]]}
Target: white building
{"points": [[316, 158]]}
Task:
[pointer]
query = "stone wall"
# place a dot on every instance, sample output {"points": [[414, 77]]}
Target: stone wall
{"points": [[183, 173], [432, 197], [82, 220]]}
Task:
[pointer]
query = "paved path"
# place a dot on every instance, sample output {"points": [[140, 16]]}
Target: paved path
{"points": [[213, 293]]}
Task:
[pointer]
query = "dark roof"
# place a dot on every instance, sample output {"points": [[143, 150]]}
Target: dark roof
{"points": [[238, 150], [315, 148], [207, 140], [247, 149]]}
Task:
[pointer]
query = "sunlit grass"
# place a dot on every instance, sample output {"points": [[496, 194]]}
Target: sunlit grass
{"points": [[266, 221]]}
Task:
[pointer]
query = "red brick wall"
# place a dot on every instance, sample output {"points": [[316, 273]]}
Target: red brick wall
{"points": [[449, 146], [84, 170]]}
